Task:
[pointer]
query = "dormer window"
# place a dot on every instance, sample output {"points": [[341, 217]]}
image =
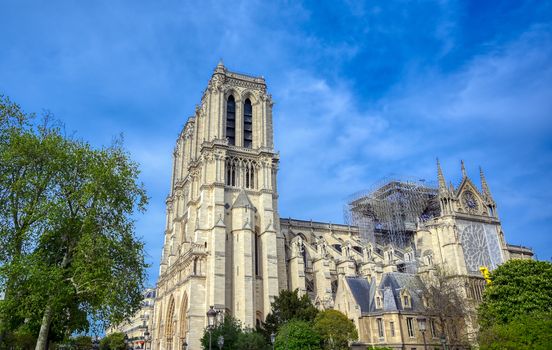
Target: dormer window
{"points": [[406, 300], [231, 120], [379, 300], [247, 124]]}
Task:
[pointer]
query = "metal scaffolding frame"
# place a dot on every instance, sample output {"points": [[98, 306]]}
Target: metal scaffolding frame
{"points": [[390, 211]]}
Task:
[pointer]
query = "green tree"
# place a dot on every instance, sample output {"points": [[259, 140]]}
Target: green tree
{"points": [[297, 335], [335, 329], [518, 287], [114, 341], [250, 339], [68, 253], [21, 339], [82, 342], [288, 306], [525, 332], [230, 329]]}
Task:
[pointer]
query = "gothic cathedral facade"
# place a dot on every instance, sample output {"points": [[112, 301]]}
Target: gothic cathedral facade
{"points": [[226, 247]]}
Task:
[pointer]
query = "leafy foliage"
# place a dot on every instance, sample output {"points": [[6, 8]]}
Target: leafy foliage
{"points": [[230, 329], [297, 335], [82, 342], [526, 332], [289, 306], [67, 248], [335, 329], [251, 340], [21, 339], [519, 287], [114, 341]]}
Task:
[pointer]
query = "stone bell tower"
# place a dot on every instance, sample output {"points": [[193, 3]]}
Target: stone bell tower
{"points": [[222, 243]]}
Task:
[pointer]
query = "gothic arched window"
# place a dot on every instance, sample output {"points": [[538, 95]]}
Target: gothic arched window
{"points": [[249, 175], [230, 172], [247, 124], [231, 120]]}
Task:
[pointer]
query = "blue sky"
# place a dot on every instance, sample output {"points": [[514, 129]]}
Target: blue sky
{"points": [[363, 90]]}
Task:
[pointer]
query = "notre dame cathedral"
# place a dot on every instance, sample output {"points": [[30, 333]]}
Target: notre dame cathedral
{"points": [[225, 245]]}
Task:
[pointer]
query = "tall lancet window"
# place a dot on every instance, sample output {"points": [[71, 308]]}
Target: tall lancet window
{"points": [[231, 120], [247, 124]]}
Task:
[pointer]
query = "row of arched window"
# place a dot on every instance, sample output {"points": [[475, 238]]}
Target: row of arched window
{"points": [[241, 173], [247, 122]]}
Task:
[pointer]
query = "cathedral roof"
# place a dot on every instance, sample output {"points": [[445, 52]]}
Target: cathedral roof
{"points": [[391, 287], [389, 300], [360, 288], [395, 282]]}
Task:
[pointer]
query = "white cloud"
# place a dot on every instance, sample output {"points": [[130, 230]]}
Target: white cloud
{"points": [[509, 85]]}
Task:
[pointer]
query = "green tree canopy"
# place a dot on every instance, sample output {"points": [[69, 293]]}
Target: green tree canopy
{"points": [[289, 306], [234, 336], [68, 253], [250, 339], [230, 329], [21, 339], [526, 332], [113, 341], [519, 287], [82, 342], [335, 329], [297, 335]]}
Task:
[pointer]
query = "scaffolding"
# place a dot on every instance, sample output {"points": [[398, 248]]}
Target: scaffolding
{"points": [[390, 211]]}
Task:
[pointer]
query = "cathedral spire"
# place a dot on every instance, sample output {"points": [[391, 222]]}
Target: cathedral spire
{"points": [[484, 185], [464, 175], [441, 177]]}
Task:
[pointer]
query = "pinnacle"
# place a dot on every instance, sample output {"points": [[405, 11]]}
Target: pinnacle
{"points": [[441, 177], [464, 175], [484, 185]]}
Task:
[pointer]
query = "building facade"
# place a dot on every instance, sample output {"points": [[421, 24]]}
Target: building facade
{"points": [[223, 246], [137, 326], [226, 246]]}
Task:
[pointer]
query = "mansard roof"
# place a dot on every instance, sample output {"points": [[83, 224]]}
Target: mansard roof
{"points": [[391, 286], [360, 288], [395, 282], [389, 300]]}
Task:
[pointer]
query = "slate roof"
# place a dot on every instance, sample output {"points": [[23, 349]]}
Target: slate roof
{"points": [[391, 286], [360, 288], [389, 300], [397, 281]]}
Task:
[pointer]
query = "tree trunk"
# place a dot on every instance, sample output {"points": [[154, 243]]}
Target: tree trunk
{"points": [[42, 341]]}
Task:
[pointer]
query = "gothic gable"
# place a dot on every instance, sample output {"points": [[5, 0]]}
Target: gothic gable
{"points": [[470, 199]]}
